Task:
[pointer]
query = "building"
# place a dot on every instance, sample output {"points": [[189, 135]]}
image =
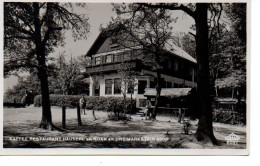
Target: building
{"points": [[107, 55]]}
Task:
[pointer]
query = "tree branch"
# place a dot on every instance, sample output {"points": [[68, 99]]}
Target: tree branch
{"points": [[192, 34], [18, 37], [170, 7]]}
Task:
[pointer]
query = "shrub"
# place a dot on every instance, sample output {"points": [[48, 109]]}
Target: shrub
{"points": [[92, 102], [59, 100], [229, 117]]}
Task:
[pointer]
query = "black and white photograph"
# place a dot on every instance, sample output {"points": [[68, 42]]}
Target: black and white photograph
{"points": [[137, 78]]}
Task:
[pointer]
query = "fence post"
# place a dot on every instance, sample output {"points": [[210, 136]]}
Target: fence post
{"points": [[79, 116], [64, 117]]}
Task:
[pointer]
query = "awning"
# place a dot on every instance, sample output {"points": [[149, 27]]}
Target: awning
{"points": [[170, 92]]}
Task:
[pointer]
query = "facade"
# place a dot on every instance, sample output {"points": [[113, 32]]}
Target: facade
{"points": [[106, 58]]}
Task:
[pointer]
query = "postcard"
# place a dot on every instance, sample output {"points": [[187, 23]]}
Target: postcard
{"points": [[133, 78]]}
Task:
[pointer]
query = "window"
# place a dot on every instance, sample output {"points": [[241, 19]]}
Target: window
{"points": [[97, 60], [169, 85], [176, 65], [117, 86], [97, 90], [108, 86], [141, 87], [108, 58], [117, 58]]}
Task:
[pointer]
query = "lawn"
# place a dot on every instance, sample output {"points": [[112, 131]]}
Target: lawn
{"points": [[21, 131]]}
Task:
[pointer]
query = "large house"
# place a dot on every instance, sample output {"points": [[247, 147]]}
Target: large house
{"points": [[107, 56]]}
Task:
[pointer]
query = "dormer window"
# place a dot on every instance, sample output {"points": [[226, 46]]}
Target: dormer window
{"points": [[113, 43]]}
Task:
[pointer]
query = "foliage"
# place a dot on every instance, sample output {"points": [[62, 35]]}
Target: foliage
{"points": [[228, 51], [31, 32], [19, 29], [229, 117], [26, 84], [68, 79], [128, 76], [189, 44], [148, 29], [92, 102], [237, 14]]}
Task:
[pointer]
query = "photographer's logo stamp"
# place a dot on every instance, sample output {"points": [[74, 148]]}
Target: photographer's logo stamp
{"points": [[232, 139]]}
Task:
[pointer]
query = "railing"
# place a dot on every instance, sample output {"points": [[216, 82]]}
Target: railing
{"points": [[108, 67]]}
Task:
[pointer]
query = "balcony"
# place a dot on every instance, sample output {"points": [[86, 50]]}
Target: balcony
{"points": [[108, 67]]}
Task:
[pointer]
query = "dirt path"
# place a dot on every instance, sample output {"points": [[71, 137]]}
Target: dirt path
{"points": [[21, 130]]}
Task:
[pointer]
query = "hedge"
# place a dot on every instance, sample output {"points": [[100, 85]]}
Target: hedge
{"points": [[92, 102], [229, 117]]}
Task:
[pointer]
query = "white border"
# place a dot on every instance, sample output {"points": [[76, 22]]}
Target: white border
{"points": [[88, 151]]}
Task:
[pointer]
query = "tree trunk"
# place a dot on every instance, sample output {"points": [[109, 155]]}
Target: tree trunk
{"points": [[46, 122], [63, 117], [94, 115], [124, 94], [131, 103], [79, 116], [205, 129], [157, 98]]}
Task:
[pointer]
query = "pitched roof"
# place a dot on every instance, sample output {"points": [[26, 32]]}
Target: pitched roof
{"points": [[171, 48], [173, 92]]}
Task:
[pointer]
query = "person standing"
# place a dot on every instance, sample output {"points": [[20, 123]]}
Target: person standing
{"points": [[82, 104], [148, 108]]}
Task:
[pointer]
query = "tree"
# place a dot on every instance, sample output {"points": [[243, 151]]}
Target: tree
{"points": [[228, 52], [234, 49], [149, 29], [26, 84], [31, 31], [69, 80], [127, 82], [199, 12], [189, 45], [232, 74], [237, 14]]}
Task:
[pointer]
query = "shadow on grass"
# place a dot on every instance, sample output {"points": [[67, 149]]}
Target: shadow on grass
{"points": [[171, 131]]}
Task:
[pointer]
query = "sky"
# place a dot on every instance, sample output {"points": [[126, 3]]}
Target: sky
{"points": [[98, 14]]}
